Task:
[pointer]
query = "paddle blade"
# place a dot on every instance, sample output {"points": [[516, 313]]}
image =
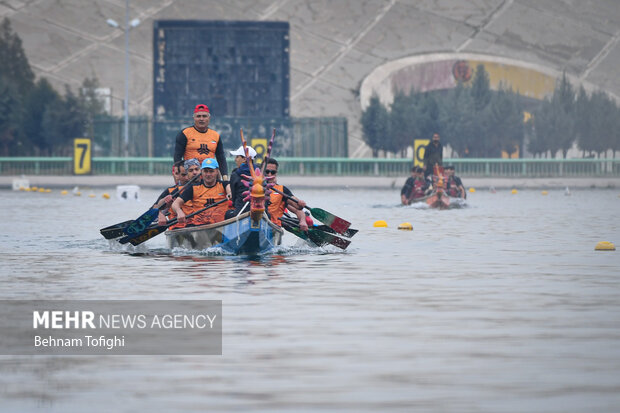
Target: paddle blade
{"points": [[323, 238], [142, 222], [336, 223], [316, 236], [348, 233], [144, 236], [115, 231]]}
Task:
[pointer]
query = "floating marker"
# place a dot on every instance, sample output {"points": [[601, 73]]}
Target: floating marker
{"points": [[27, 189], [91, 195], [41, 189], [380, 224], [105, 196], [567, 192], [545, 193], [605, 246], [64, 192], [514, 191], [48, 190], [34, 188], [406, 226], [78, 193], [472, 189]]}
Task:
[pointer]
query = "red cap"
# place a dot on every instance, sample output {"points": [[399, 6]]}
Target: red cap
{"points": [[201, 108]]}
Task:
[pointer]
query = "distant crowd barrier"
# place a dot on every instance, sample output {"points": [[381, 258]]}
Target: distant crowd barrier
{"points": [[517, 168]]}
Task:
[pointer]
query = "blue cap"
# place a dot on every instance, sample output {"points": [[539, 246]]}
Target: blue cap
{"points": [[210, 163]]}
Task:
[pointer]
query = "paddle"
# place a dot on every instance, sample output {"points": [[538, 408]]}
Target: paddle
{"points": [[269, 148], [348, 233], [336, 223], [143, 221], [116, 230], [151, 232], [316, 236]]}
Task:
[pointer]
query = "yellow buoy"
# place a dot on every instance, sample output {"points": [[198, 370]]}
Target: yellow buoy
{"points": [[514, 191], [91, 195], [105, 196], [48, 190], [41, 189], [27, 189], [380, 224], [472, 190], [34, 188], [21, 188], [63, 192], [406, 226], [545, 193], [605, 246], [77, 193]]}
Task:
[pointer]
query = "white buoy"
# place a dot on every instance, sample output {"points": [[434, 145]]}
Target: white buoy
{"points": [[128, 192], [567, 192], [21, 182]]}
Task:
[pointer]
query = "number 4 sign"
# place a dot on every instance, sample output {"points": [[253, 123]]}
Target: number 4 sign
{"points": [[81, 156]]}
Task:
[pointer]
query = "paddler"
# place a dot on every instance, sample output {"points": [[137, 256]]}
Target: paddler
{"points": [[454, 185], [209, 191], [200, 142], [188, 170], [279, 203], [415, 186], [236, 181]]}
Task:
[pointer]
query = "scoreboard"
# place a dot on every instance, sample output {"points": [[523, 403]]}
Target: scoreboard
{"points": [[236, 68]]}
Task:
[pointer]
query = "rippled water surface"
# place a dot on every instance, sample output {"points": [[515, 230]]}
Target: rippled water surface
{"points": [[502, 306]]}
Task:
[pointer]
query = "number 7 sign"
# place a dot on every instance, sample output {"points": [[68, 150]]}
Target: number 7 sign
{"points": [[81, 156]]}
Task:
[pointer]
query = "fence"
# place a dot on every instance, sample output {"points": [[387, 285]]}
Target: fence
{"points": [[517, 168]]}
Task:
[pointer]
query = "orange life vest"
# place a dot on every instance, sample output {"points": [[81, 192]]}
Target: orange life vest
{"points": [[277, 206], [187, 208], [204, 196], [200, 145]]}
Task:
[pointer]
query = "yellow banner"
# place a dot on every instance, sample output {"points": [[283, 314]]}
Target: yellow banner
{"points": [[82, 156], [260, 146], [419, 147]]}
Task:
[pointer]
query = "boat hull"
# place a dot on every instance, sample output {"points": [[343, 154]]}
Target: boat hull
{"points": [[441, 200], [239, 235]]}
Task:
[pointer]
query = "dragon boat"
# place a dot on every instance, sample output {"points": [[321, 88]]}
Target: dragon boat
{"points": [[242, 235]]}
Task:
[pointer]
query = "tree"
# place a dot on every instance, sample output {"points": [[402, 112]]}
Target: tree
{"points": [[564, 97], [505, 124], [458, 120], [9, 116], [481, 89], [375, 125], [41, 97], [402, 123], [64, 122], [13, 61]]}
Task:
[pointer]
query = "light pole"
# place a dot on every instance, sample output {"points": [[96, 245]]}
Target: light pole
{"points": [[126, 28]]}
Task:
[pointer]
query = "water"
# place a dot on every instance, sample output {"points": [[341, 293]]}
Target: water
{"points": [[502, 306]]}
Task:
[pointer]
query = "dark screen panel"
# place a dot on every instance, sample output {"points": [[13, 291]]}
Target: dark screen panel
{"points": [[238, 68]]}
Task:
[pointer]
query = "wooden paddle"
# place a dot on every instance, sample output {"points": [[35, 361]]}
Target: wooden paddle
{"points": [[143, 221], [316, 236], [336, 223], [153, 231]]}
